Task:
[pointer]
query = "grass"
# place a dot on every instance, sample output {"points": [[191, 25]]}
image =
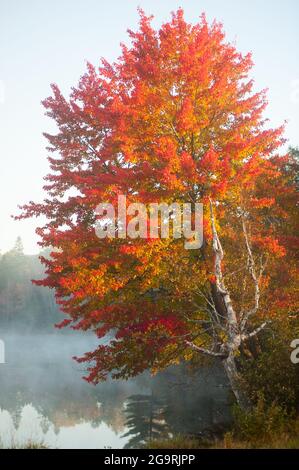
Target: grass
{"points": [[229, 441], [284, 441], [27, 445], [177, 442]]}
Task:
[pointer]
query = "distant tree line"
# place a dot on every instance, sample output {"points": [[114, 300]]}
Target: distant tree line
{"points": [[22, 304]]}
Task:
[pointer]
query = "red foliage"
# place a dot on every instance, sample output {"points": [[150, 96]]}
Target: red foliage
{"points": [[173, 119]]}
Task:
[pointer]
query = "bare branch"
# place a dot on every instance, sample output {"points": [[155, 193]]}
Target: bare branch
{"points": [[255, 332], [235, 272], [212, 305], [256, 278], [207, 352]]}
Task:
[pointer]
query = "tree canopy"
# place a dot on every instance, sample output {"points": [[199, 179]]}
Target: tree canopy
{"points": [[174, 119]]}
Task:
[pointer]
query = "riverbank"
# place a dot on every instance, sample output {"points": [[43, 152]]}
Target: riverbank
{"points": [[289, 439]]}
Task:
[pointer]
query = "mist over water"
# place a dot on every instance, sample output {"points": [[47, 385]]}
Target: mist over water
{"points": [[44, 400]]}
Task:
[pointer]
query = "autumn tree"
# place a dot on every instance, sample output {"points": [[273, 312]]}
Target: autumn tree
{"points": [[174, 119]]}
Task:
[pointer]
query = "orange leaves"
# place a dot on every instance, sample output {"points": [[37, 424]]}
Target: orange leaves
{"points": [[248, 173], [188, 166], [174, 119], [210, 161], [270, 245], [262, 202], [186, 118], [218, 171], [212, 278]]}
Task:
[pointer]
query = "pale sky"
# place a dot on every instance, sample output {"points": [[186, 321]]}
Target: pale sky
{"points": [[50, 40]]}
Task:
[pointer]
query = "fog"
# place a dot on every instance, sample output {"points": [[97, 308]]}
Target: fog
{"points": [[43, 398]]}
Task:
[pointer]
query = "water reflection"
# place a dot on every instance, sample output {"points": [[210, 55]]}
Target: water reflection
{"points": [[145, 419], [43, 399], [32, 427]]}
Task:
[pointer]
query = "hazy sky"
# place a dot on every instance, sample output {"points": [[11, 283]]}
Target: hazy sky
{"points": [[49, 41]]}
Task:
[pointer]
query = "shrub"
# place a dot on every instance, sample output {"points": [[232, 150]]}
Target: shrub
{"points": [[263, 424]]}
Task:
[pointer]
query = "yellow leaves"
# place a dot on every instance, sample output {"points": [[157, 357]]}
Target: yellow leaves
{"points": [[188, 354], [223, 336]]}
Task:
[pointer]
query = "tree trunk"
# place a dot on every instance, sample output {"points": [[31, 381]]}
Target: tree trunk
{"points": [[230, 368]]}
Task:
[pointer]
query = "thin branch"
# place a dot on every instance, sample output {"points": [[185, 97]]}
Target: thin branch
{"points": [[212, 305], [256, 278], [254, 332], [234, 272], [207, 352]]}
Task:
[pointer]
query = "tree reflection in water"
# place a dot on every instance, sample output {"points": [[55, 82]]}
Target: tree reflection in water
{"points": [[43, 396]]}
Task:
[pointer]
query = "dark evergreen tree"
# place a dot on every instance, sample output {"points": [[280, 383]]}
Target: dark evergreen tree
{"points": [[145, 419]]}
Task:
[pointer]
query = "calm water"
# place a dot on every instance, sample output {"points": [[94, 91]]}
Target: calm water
{"points": [[44, 399]]}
